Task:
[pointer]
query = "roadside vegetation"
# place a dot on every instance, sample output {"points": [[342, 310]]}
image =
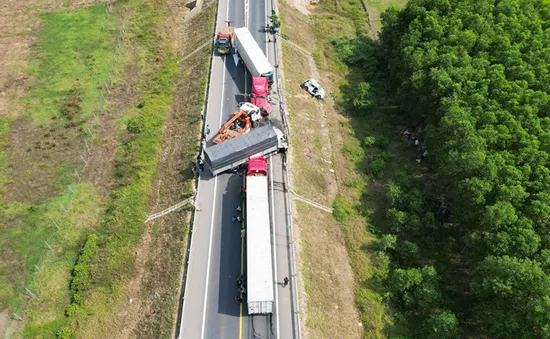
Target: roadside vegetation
{"points": [[83, 161], [338, 268], [445, 209]]}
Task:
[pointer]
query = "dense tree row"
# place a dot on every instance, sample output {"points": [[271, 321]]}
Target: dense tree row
{"points": [[476, 73]]}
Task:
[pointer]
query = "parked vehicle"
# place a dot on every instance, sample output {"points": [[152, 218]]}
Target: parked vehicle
{"points": [[240, 123], [260, 283], [232, 154], [252, 55], [225, 39], [260, 94], [313, 88]]}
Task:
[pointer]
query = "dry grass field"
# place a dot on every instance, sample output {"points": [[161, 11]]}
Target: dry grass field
{"points": [[333, 263]]}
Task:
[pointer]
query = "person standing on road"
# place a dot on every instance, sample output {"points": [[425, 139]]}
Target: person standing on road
{"points": [[238, 209], [285, 282], [207, 129]]}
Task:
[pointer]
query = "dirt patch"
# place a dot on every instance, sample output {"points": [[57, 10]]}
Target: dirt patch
{"points": [[327, 276], [313, 148], [4, 323], [19, 25], [103, 149], [297, 23], [36, 155], [13, 81]]}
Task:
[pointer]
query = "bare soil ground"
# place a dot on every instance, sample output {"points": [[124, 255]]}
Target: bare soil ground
{"points": [[35, 155], [19, 24]]}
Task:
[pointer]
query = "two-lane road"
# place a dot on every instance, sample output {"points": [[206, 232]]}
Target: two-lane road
{"points": [[209, 307]]}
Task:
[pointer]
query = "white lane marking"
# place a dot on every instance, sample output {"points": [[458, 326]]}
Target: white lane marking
{"points": [[274, 247], [246, 3], [209, 256], [213, 199]]}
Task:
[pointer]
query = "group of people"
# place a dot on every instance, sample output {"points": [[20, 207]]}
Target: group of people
{"points": [[414, 141], [198, 167]]}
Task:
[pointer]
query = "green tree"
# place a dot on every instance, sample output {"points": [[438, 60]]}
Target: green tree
{"points": [[416, 288], [513, 297], [441, 325]]}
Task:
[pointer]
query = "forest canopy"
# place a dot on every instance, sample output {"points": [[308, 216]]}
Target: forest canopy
{"points": [[476, 74]]}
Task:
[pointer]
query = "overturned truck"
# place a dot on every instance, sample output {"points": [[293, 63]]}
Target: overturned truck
{"points": [[234, 153]]}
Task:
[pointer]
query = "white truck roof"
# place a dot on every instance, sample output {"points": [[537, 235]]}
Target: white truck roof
{"points": [[258, 243], [249, 49]]}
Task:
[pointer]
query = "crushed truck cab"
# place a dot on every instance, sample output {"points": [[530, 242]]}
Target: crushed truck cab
{"points": [[240, 123], [260, 94]]}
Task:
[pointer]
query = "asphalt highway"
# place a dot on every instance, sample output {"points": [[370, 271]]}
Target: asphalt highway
{"points": [[217, 255]]}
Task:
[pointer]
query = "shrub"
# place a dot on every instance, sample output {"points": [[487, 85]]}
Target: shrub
{"points": [[369, 141], [81, 271], [386, 242], [376, 167], [382, 142], [354, 152], [392, 193], [136, 125], [342, 209], [64, 333]]}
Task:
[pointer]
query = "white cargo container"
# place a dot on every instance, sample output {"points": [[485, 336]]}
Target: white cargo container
{"points": [[259, 268], [252, 55]]}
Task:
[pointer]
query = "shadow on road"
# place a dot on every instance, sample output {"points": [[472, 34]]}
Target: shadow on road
{"points": [[230, 248]]}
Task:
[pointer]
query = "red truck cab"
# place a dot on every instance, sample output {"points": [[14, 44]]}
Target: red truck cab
{"points": [[257, 166], [260, 94]]}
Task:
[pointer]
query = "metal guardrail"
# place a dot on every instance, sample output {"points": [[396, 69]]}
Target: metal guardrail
{"points": [[311, 202], [170, 209]]}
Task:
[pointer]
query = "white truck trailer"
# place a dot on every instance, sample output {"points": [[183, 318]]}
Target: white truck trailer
{"points": [[259, 267], [233, 153], [252, 55]]}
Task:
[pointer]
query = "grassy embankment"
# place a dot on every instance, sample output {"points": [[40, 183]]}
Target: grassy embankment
{"points": [[168, 245], [339, 263], [101, 273], [37, 162], [71, 82]]}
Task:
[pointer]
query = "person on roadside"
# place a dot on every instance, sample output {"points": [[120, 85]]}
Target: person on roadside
{"points": [[238, 209], [207, 129], [242, 290], [240, 280], [238, 299], [285, 282]]}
